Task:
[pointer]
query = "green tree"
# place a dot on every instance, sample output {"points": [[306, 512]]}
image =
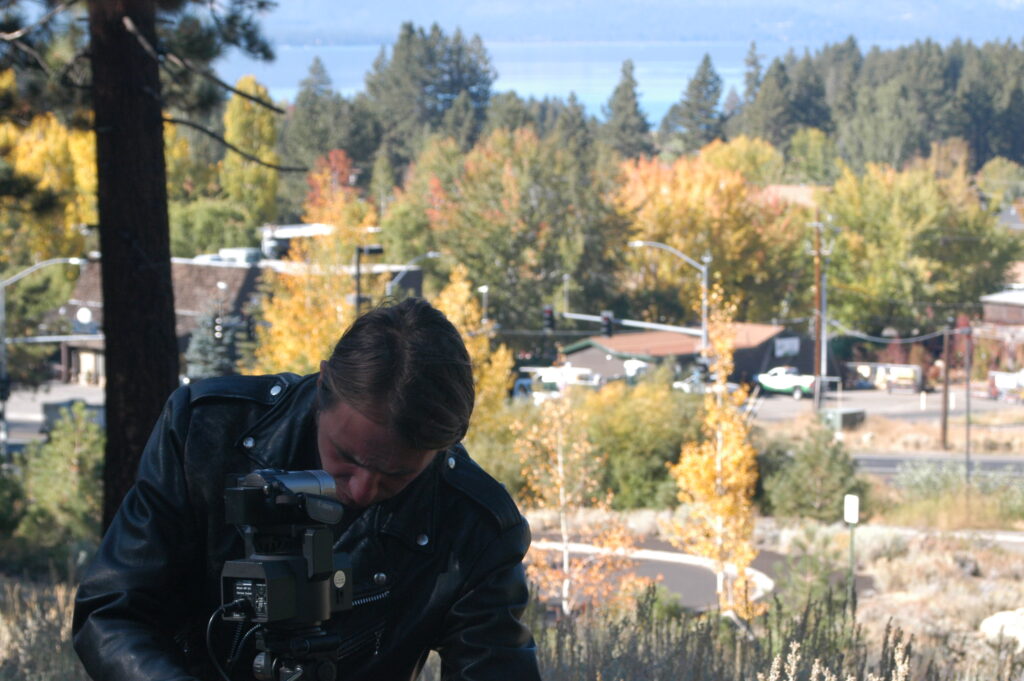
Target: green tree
{"points": [[694, 121], [253, 129], [207, 225], [462, 122], [507, 110], [640, 430], [811, 158], [62, 483], [752, 75], [814, 482], [626, 130], [770, 116], [410, 90]]}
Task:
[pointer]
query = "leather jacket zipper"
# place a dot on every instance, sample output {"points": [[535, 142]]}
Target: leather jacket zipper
{"points": [[371, 598]]}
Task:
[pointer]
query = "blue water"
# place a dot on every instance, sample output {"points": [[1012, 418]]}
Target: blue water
{"points": [[590, 69]]}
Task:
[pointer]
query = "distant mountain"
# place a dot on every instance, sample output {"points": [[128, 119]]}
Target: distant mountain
{"points": [[799, 22], [553, 47]]}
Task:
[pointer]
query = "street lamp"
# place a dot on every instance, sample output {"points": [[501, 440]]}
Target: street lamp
{"points": [[701, 267], [389, 288], [5, 379], [371, 249]]}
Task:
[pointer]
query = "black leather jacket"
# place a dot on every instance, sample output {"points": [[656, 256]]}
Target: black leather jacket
{"points": [[436, 567]]}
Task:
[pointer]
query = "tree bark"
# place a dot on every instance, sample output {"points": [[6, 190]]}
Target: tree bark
{"points": [[138, 298]]}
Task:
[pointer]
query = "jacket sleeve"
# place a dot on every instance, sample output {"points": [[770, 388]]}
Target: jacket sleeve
{"points": [[136, 592], [484, 636]]}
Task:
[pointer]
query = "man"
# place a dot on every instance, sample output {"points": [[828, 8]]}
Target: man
{"points": [[436, 544]]}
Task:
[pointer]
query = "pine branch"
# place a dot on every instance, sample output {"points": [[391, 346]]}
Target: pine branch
{"points": [[185, 64], [232, 147], [21, 32]]}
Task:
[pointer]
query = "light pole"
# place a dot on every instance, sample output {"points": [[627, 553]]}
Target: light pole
{"points": [[5, 380], [389, 288], [701, 267], [372, 249], [483, 289]]}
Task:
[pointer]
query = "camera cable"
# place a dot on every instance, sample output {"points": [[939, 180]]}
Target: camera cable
{"points": [[209, 634]]}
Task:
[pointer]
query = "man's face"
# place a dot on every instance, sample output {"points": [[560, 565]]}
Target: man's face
{"points": [[368, 462]]}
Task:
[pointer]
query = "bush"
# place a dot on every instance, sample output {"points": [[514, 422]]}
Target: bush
{"points": [[12, 501], [813, 483], [63, 484], [937, 496], [640, 429]]}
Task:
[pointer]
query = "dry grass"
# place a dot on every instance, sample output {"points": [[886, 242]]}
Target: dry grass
{"points": [[35, 632], [997, 432], [939, 588]]}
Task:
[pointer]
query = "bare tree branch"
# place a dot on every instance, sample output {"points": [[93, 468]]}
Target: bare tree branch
{"points": [[24, 47], [185, 64], [21, 32], [232, 147]]}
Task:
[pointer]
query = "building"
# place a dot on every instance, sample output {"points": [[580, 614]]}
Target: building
{"points": [[226, 283], [758, 347]]}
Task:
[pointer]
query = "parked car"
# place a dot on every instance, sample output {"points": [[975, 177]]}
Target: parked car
{"points": [[787, 380]]}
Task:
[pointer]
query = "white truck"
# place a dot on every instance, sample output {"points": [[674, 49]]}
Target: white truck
{"points": [[786, 380]]}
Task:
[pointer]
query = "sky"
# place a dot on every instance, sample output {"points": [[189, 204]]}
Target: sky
{"points": [[554, 47]]}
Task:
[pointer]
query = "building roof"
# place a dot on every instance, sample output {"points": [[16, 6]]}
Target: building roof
{"points": [[668, 343], [198, 288], [1010, 297], [799, 194]]}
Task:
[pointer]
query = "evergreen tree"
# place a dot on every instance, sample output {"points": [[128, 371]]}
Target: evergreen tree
{"points": [[210, 348], [461, 122], [752, 76], [625, 129], [770, 115], [507, 110], [695, 121], [411, 90], [807, 97], [813, 483]]}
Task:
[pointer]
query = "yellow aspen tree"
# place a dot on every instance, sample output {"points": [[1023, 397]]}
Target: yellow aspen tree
{"points": [[308, 303], [492, 368], [305, 309], [563, 471], [253, 129], [60, 162], [716, 477]]}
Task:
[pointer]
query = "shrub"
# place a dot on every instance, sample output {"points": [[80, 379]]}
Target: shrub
{"points": [[812, 484], [938, 496], [63, 485], [12, 501]]}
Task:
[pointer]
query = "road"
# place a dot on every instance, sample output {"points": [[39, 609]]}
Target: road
{"points": [[898, 405]]}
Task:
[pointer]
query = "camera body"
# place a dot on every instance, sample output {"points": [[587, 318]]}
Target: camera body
{"points": [[290, 580]]}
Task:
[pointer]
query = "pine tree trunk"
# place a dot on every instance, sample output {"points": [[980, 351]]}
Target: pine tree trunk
{"points": [[138, 300]]}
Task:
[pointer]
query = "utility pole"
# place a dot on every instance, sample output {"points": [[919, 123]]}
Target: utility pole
{"points": [[945, 384], [819, 325], [967, 406]]}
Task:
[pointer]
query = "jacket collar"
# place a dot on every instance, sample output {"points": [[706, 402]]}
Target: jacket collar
{"points": [[412, 516], [281, 436]]}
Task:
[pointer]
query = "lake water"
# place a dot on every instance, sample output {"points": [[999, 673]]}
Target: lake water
{"points": [[537, 69]]}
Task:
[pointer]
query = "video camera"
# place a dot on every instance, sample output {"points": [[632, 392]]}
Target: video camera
{"points": [[290, 580]]}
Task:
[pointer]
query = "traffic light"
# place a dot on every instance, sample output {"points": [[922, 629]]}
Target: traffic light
{"points": [[607, 322], [549, 318], [218, 327]]}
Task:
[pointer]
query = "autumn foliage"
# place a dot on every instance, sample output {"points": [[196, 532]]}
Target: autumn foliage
{"points": [[587, 564], [716, 477]]}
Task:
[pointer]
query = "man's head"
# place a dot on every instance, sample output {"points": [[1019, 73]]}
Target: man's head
{"points": [[397, 388]]}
